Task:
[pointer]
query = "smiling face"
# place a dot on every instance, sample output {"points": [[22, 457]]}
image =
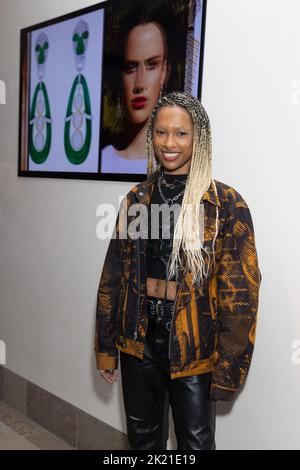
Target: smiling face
{"points": [[173, 139], [144, 70]]}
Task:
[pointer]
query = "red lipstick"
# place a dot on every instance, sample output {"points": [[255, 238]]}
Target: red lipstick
{"points": [[138, 102]]}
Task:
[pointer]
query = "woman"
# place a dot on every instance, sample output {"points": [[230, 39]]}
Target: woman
{"points": [[185, 314], [143, 75]]}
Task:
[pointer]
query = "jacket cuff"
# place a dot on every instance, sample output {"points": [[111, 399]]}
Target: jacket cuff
{"points": [[219, 392], [105, 362]]}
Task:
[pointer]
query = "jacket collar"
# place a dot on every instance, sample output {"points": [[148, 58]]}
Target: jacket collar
{"points": [[144, 190]]}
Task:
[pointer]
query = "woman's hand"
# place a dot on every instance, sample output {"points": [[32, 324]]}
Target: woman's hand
{"points": [[108, 376]]}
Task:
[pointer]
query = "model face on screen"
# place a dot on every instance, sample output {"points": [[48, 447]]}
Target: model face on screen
{"points": [[144, 70], [173, 139]]}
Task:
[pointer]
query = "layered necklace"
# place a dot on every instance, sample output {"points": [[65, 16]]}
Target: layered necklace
{"points": [[163, 182]]}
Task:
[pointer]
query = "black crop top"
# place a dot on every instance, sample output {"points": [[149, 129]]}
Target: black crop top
{"points": [[159, 249]]}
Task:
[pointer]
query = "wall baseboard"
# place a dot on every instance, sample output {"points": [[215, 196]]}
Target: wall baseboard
{"points": [[69, 423]]}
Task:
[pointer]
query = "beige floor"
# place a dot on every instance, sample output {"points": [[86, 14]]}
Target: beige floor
{"points": [[17, 432]]}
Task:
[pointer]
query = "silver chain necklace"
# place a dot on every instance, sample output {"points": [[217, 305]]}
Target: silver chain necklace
{"points": [[169, 200], [170, 185]]}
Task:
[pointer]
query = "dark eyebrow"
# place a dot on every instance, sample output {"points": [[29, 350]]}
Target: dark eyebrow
{"points": [[154, 57], [132, 61]]}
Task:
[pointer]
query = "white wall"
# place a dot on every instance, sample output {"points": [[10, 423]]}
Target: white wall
{"points": [[51, 259], [251, 62]]}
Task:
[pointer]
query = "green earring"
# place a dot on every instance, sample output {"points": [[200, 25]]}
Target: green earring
{"points": [[40, 123], [78, 120]]}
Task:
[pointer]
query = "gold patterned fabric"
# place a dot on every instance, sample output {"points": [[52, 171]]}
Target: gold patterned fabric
{"points": [[213, 329]]}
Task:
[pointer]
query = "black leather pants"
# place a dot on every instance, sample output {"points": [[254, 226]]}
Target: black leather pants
{"points": [[148, 389]]}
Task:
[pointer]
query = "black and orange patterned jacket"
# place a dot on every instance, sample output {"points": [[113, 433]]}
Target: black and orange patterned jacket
{"points": [[211, 331]]}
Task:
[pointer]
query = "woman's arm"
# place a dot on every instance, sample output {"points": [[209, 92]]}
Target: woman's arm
{"points": [[238, 282], [108, 299]]}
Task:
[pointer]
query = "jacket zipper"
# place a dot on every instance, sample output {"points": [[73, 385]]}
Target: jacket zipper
{"points": [[174, 310], [139, 281]]}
